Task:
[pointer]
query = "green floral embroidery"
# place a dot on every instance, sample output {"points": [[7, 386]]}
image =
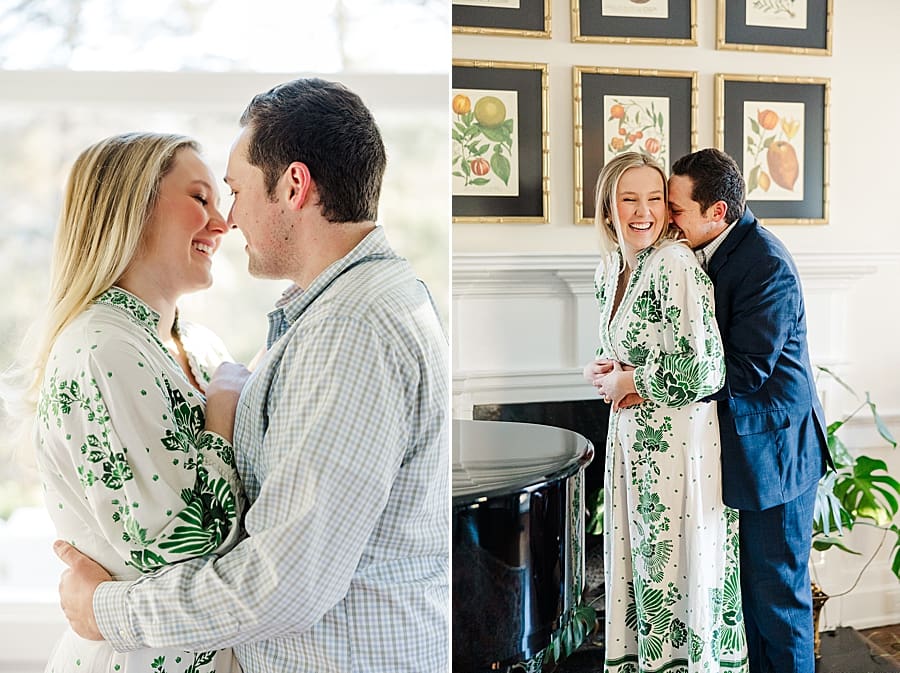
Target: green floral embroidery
{"points": [[646, 307], [673, 315], [208, 517], [650, 617], [142, 313], [637, 355], [61, 398], [649, 507], [732, 636], [650, 440], [678, 633], [696, 645], [200, 659], [655, 556], [680, 379], [189, 422]]}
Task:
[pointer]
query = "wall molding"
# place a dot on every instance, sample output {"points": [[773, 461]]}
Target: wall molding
{"points": [[523, 322], [472, 267]]}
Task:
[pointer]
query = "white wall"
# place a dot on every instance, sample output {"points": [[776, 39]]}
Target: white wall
{"points": [[521, 328]]}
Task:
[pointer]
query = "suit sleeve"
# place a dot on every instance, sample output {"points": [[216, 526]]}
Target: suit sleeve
{"points": [[765, 306]]}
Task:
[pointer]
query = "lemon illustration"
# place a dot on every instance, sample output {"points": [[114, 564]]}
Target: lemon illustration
{"points": [[490, 111]]}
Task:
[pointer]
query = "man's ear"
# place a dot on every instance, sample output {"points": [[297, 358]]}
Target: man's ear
{"points": [[718, 211], [298, 184]]}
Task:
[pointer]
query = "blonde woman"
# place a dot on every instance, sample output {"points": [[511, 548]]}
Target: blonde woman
{"points": [[670, 545], [133, 433]]}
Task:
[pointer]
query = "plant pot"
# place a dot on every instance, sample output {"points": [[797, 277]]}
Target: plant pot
{"points": [[818, 601]]}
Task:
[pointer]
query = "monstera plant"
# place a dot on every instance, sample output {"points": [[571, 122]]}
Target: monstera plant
{"points": [[860, 492]]}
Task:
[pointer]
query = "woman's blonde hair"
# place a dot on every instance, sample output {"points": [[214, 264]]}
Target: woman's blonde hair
{"points": [[606, 215], [111, 192]]}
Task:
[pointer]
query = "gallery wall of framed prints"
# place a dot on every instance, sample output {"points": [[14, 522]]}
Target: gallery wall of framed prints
{"points": [[619, 110], [666, 22], [780, 26], [499, 143], [775, 126], [516, 18]]}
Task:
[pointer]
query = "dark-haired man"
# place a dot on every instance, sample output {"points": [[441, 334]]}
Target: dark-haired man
{"points": [[340, 433], [773, 434]]}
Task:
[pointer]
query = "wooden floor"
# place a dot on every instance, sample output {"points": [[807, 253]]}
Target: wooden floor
{"points": [[887, 639]]}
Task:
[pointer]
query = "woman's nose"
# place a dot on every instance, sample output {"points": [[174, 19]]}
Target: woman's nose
{"points": [[217, 222]]}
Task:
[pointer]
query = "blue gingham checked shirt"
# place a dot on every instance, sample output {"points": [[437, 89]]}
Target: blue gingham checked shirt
{"points": [[341, 435]]}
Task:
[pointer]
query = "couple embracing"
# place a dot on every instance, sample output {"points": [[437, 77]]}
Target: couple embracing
{"points": [[716, 438], [292, 519]]}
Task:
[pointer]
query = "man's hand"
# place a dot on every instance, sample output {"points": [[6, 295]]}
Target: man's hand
{"points": [[76, 589], [630, 400]]}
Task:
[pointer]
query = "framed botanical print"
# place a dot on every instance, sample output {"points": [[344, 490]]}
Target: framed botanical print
{"points": [[518, 18], [499, 129], [672, 22], [776, 128], [787, 26], [620, 110]]}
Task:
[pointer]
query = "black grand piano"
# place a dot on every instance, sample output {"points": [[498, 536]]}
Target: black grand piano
{"points": [[518, 536]]}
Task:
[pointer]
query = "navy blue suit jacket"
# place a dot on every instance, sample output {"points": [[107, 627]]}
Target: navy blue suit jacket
{"points": [[771, 421]]}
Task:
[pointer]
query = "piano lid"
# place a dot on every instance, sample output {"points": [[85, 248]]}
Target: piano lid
{"points": [[492, 458]]}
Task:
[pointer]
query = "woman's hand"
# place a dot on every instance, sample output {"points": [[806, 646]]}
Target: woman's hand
{"points": [[222, 397], [617, 386], [594, 371]]}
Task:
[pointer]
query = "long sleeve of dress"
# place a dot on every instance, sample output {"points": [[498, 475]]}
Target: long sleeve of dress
{"points": [[157, 487], [686, 362]]}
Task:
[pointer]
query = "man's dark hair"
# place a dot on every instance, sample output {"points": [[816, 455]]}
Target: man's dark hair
{"points": [[716, 177], [327, 127]]}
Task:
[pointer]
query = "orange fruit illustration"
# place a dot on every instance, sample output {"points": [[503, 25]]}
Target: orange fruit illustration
{"points": [[461, 104], [783, 164], [480, 166], [767, 119]]}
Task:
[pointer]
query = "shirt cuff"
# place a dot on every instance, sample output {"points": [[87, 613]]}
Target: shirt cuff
{"points": [[111, 615]]}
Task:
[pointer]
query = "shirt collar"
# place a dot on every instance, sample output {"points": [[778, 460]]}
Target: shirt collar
{"points": [[295, 300], [130, 305], [710, 248]]}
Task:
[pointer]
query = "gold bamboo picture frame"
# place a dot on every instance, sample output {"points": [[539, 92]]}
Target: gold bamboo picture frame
{"points": [[778, 26], [500, 157], [674, 22], [620, 110], [777, 129], [525, 18]]}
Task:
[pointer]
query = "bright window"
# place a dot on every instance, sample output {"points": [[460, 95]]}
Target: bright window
{"points": [[74, 72]]}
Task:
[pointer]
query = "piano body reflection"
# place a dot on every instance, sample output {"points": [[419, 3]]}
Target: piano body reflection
{"points": [[518, 536]]}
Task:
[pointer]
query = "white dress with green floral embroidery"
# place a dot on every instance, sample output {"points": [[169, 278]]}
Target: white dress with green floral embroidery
{"points": [[130, 476], [671, 545]]}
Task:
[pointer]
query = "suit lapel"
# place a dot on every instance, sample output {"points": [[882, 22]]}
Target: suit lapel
{"points": [[741, 229]]}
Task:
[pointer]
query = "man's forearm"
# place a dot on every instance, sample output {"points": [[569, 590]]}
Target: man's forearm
{"points": [[135, 615]]}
